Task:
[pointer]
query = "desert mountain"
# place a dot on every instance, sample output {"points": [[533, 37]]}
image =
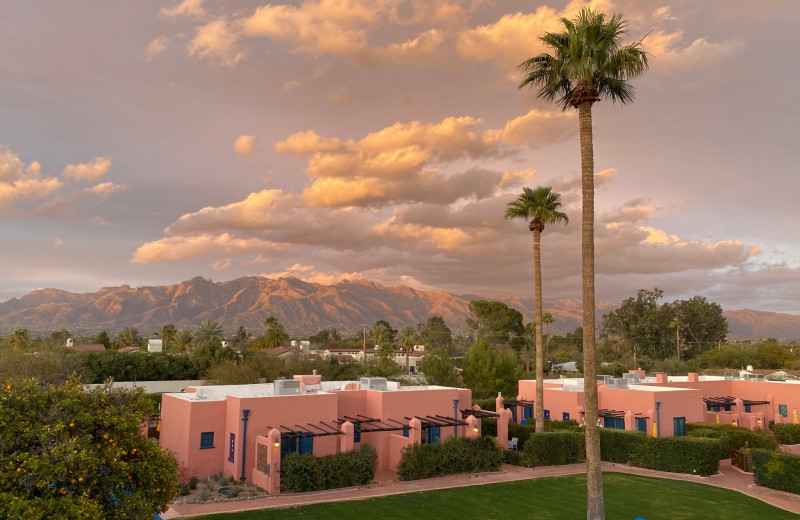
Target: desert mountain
{"points": [[302, 307]]}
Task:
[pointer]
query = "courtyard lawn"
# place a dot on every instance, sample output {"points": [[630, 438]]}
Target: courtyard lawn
{"points": [[626, 498]]}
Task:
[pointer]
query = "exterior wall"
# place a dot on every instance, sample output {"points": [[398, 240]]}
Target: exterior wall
{"points": [[181, 433]]}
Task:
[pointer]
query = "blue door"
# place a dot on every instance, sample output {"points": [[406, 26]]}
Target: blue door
{"points": [[679, 425], [527, 412], [433, 434]]}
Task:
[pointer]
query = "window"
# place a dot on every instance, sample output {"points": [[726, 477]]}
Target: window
{"points": [[405, 431], [231, 447], [527, 412], [513, 414], [357, 432], [301, 445], [565, 416], [783, 410], [747, 409], [679, 425], [431, 435], [641, 424], [616, 423], [206, 440]]}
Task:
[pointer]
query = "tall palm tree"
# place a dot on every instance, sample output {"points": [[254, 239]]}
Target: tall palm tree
{"points": [[547, 319], [183, 340], [275, 335], [167, 334], [407, 342], [541, 206], [588, 63], [20, 339]]}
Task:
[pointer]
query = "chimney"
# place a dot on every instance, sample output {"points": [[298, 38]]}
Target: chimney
{"points": [[694, 377]]}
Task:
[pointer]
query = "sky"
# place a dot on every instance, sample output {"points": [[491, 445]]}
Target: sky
{"points": [[148, 142]]}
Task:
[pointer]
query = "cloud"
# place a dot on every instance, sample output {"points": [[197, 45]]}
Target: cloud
{"points": [[267, 209], [245, 145], [288, 86], [106, 188], [88, 171], [669, 55], [58, 242], [183, 248], [340, 99], [18, 181], [156, 47], [218, 41], [187, 8]]}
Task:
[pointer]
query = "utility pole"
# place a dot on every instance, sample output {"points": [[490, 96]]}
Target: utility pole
{"points": [[364, 350]]}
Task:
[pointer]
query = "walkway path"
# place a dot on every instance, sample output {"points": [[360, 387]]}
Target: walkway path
{"points": [[728, 477]]}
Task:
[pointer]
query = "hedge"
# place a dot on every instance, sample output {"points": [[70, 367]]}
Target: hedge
{"points": [[679, 455], [776, 470], [489, 404], [620, 446], [734, 437], [524, 431], [301, 473], [555, 448], [453, 455], [786, 433]]}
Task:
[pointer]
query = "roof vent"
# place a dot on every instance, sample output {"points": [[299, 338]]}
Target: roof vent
{"points": [[287, 387]]}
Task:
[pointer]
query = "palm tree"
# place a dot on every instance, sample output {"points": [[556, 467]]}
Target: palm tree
{"points": [[208, 332], [167, 334], [541, 206], [20, 339], [547, 319], [275, 335], [589, 63], [676, 324], [183, 340]]}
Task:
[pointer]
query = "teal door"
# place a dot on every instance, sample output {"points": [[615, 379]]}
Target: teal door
{"points": [[679, 425]]}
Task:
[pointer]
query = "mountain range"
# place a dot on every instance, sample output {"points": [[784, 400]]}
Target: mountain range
{"points": [[302, 307]]}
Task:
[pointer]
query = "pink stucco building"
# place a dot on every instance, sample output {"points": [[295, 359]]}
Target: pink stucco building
{"points": [[242, 430], [662, 405]]}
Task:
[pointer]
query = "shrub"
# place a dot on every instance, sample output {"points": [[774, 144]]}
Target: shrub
{"points": [[486, 404], [735, 437], [301, 473], [620, 446], [786, 433], [489, 427], [679, 455], [555, 448], [514, 457], [776, 470], [454, 455], [523, 431]]}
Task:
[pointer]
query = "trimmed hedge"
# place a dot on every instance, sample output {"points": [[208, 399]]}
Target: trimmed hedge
{"points": [[555, 448], [453, 455], [679, 455], [524, 431], [776, 470], [620, 446], [734, 437], [489, 404], [786, 433], [301, 473]]}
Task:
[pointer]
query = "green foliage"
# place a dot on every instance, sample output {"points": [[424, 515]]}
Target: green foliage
{"points": [[490, 403], [690, 455], [302, 473], [488, 370], [231, 373], [209, 354], [786, 433], [555, 448], [136, 366], [436, 334], [494, 321], [454, 455], [734, 437], [71, 454], [620, 446], [439, 368], [776, 470], [274, 336]]}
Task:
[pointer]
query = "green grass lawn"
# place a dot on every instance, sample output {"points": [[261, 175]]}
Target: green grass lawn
{"points": [[626, 497]]}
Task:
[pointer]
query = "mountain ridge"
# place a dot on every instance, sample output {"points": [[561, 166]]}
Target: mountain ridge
{"points": [[303, 307]]}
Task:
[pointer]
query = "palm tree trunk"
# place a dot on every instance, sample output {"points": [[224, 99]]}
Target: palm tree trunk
{"points": [[595, 509], [537, 280]]}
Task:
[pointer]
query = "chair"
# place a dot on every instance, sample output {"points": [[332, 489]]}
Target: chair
{"points": [[512, 444]]}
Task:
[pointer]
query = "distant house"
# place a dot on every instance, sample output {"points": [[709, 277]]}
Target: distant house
{"points": [[129, 349], [94, 347], [155, 345], [279, 352]]}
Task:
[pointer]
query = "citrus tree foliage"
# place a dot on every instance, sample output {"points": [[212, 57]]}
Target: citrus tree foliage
{"points": [[66, 453]]}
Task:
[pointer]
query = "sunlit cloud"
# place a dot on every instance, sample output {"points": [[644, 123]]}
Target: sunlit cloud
{"points": [[18, 181], [671, 55], [245, 145], [216, 40], [188, 247], [156, 47], [93, 170], [188, 8]]}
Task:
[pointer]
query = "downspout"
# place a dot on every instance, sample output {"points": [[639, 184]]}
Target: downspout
{"points": [[455, 416], [658, 418], [245, 413]]}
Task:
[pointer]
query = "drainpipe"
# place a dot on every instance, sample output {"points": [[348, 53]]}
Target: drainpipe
{"points": [[658, 418], [455, 416], [245, 413]]}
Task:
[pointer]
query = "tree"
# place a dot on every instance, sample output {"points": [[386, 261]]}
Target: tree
{"points": [[639, 323], [240, 337], [183, 340], [208, 332], [407, 342], [676, 324], [489, 370], [382, 333], [494, 321], [20, 339], [589, 63], [275, 335], [127, 337], [703, 325], [438, 367], [167, 334], [103, 339], [547, 320], [73, 454], [436, 334], [541, 206]]}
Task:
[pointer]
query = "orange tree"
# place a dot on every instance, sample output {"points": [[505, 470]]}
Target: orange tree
{"points": [[69, 453]]}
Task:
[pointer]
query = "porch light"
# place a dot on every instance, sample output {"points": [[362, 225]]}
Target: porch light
{"points": [[475, 429], [277, 444]]}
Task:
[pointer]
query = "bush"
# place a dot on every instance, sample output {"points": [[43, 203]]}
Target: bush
{"points": [[514, 457], [302, 473], [734, 437], [786, 433], [776, 470], [620, 446], [486, 404], [555, 448], [489, 427], [679, 455], [454, 455]]}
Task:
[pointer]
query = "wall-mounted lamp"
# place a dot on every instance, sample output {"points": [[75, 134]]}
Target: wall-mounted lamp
{"points": [[475, 429], [277, 444]]}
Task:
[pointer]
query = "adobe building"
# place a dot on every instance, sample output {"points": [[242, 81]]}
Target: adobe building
{"points": [[243, 430], [660, 405]]}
